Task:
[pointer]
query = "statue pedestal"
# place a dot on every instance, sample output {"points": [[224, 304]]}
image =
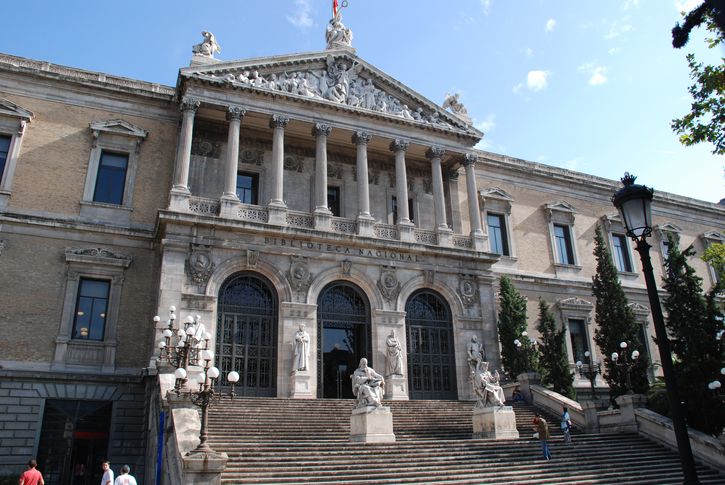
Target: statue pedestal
{"points": [[495, 422], [396, 388], [372, 424], [300, 384]]}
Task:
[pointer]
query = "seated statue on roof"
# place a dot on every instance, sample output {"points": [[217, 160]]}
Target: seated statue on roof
{"points": [[208, 47], [337, 35]]}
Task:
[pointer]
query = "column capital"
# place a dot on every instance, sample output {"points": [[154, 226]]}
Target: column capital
{"points": [[189, 103], [235, 112], [399, 145], [361, 137], [278, 121], [469, 159], [434, 152], [321, 129]]}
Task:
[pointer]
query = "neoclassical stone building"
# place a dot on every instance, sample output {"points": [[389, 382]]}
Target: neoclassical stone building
{"points": [[261, 194]]}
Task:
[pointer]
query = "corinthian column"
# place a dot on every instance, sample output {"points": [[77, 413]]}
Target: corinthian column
{"points": [[401, 180], [435, 154], [364, 219], [321, 131], [474, 211], [278, 123], [234, 115], [183, 150]]}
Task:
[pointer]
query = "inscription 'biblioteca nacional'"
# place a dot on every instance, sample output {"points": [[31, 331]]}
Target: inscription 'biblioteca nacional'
{"points": [[334, 248]]}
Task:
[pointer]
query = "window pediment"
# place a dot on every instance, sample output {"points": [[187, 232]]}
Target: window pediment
{"points": [[713, 237], [98, 256], [119, 128], [8, 108], [496, 193], [576, 304], [560, 211]]}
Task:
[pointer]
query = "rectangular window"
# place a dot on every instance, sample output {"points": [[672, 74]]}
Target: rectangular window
{"points": [[91, 307], [497, 234], [564, 249], [643, 342], [621, 253], [4, 150], [111, 179], [247, 187], [394, 204], [333, 200], [578, 336]]}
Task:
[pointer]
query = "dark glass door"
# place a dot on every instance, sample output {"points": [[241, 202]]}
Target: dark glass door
{"points": [[431, 356], [343, 322]]}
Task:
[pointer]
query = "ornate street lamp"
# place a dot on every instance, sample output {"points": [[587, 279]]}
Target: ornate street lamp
{"points": [[626, 363], [633, 202], [590, 370]]}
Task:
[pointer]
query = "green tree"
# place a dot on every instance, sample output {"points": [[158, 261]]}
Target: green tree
{"points": [[615, 324], [695, 325], [715, 257], [706, 120], [511, 328], [553, 360]]}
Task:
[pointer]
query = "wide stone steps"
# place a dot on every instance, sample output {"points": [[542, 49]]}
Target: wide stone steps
{"points": [[282, 441]]}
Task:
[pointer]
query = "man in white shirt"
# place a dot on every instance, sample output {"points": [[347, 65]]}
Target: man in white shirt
{"points": [[107, 473], [125, 478]]}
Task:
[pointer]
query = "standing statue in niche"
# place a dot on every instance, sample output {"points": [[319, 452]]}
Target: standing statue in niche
{"points": [[337, 35], [487, 388], [208, 47], [301, 349], [393, 356], [367, 386], [476, 355]]}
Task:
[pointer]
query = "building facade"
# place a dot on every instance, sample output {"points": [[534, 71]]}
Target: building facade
{"points": [[258, 195]]}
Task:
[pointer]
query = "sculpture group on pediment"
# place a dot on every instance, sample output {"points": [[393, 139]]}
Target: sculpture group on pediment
{"points": [[339, 82]]}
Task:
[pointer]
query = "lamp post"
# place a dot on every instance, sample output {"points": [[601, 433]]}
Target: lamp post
{"points": [[633, 203], [590, 370], [626, 363]]}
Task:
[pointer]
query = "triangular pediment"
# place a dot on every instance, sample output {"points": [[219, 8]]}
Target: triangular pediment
{"points": [[560, 206], [669, 227], [8, 108], [337, 78], [496, 193], [714, 237], [118, 127]]}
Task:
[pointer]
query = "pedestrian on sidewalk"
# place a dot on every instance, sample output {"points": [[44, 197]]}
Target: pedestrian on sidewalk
{"points": [[31, 476], [566, 425], [541, 428], [125, 478], [107, 473]]}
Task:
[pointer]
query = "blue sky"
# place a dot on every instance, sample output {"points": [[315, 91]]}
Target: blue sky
{"points": [[585, 85]]}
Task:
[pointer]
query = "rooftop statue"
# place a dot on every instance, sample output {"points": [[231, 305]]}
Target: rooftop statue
{"points": [[453, 102], [337, 35], [208, 47]]}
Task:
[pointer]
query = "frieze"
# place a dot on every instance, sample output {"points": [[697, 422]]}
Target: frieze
{"points": [[294, 163], [199, 266], [383, 254], [251, 156], [334, 171], [97, 256], [388, 283]]}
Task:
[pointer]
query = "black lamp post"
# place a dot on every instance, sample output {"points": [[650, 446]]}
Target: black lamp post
{"points": [[590, 370], [626, 363], [633, 203]]}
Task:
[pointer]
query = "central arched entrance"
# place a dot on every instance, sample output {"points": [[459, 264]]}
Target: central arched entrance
{"points": [[344, 337], [246, 336], [431, 356]]}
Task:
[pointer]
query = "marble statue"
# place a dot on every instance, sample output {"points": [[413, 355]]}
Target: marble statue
{"points": [[476, 354], [301, 349], [337, 35], [453, 102], [487, 387], [208, 47], [393, 356], [367, 385]]}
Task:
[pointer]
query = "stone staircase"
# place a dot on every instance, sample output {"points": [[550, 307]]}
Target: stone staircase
{"points": [[284, 441]]}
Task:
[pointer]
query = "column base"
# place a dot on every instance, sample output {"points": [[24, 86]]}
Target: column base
{"points": [[365, 226], [300, 384], [372, 424], [479, 241], [323, 219], [396, 388], [445, 236], [495, 422], [277, 213], [203, 468], [406, 231], [229, 207], [179, 199]]}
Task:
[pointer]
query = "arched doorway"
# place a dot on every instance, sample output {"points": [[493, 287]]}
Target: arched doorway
{"points": [[431, 356], [246, 336], [344, 337]]}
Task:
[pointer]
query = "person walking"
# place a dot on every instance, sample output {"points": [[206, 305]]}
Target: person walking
{"points": [[31, 476], [566, 425], [107, 473], [542, 432], [125, 478]]}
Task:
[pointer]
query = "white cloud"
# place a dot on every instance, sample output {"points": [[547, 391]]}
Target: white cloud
{"points": [[487, 124], [618, 28], [550, 25], [686, 5], [301, 17], [630, 4], [537, 80], [596, 73], [486, 4], [614, 51]]}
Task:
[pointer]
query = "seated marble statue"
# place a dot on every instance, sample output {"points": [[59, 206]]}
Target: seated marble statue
{"points": [[487, 388], [208, 47], [367, 386]]}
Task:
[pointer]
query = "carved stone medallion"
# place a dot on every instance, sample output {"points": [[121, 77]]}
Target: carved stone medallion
{"points": [[199, 266], [346, 267], [252, 258], [388, 284], [299, 275], [468, 289]]}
